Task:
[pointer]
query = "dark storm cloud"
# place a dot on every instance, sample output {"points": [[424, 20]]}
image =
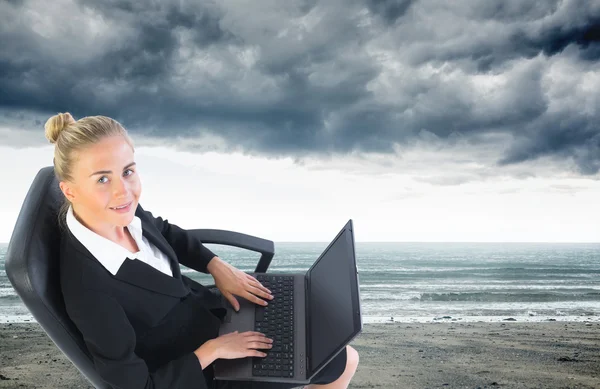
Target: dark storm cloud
{"points": [[313, 77], [555, 39], [389, 10], [560, 135], [493, 32]]}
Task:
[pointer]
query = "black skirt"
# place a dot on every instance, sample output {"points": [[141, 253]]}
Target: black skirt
{"points": [[331, 372]]}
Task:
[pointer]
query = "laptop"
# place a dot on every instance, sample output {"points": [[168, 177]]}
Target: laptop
{"points": [[312, 317]]}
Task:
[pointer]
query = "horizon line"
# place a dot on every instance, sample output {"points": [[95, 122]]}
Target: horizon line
{"points": [[415, 241], [436, 241]]}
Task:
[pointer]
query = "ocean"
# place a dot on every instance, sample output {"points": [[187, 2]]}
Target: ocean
{"points": [[435, 282]]}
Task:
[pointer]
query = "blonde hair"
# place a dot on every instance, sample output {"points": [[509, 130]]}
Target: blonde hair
{"points": [[71, 136]]}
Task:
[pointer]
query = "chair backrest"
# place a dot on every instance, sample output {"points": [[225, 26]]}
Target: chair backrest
{"points": [[32, 266]]}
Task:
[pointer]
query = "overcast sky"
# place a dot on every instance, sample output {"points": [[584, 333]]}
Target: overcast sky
{"points": [[420, 120]]}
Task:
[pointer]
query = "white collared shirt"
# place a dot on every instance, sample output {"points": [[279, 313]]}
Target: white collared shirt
{"points": [[112, 255]]}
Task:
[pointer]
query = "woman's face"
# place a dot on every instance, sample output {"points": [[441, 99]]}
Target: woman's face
{"points": [[105, 177]]}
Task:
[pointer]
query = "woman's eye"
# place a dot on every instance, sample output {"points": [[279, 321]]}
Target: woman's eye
{"points": [[104, 179]]}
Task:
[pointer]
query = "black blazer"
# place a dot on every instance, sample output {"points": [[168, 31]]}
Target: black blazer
{"points": [[142, 326]]}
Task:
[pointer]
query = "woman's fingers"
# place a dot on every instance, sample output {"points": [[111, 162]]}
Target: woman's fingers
{"points": [[250, 333], [259, 345], [253, 291], [232, 300], [256, 300], [254, 342], [254, 335], [259, 292], [257, 284], [249, 343], [257, 340]]}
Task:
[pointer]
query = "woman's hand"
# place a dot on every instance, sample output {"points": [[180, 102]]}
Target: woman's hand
{"points": [[232, 281], [233, 346]]}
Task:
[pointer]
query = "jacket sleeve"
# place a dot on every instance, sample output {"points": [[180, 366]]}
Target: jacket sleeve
{"points": [[111, 340], [189, 249]]}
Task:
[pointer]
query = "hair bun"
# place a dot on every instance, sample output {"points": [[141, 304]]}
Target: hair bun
{"points": [[56, 124]]}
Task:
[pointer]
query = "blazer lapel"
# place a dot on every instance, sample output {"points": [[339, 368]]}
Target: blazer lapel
{"points": [[143, 275], [138, 273], [154, 236]]}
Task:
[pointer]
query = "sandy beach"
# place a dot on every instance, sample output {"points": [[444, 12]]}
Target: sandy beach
{"points": [[432, 355]]}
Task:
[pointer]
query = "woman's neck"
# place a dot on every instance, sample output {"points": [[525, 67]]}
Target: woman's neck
{"points": [[111, 232]]}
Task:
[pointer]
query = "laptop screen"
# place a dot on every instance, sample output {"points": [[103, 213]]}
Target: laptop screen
{"points": [[333, 301]]}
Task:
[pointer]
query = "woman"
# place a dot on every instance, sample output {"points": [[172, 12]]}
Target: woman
{"points": [[146, 325]]}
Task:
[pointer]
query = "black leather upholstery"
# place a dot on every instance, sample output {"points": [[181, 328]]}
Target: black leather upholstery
{"points": [[32, 266]]}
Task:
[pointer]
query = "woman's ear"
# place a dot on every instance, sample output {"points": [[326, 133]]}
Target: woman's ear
{"points": [[67, 190]]}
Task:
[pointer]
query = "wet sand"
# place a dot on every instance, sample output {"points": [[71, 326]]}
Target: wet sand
{"points": [[392, 355]]}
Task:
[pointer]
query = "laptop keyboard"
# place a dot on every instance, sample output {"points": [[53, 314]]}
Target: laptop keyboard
{"points": [[276, 321]]}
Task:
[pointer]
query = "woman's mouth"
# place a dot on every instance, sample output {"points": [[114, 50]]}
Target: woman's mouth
{"points": [[122, 208]]}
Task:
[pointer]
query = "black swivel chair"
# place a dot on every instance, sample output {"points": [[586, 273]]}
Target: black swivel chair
{"points": [[33, 269]]}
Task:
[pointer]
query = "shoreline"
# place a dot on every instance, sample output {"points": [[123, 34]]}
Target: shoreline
{"points": [[509, 354], [28, 319]]}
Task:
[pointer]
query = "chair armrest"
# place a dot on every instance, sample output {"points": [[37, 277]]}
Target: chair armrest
{"points": [[230, 238]]}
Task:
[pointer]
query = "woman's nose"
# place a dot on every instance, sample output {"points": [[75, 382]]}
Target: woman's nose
{"points": [[120, 188]]}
